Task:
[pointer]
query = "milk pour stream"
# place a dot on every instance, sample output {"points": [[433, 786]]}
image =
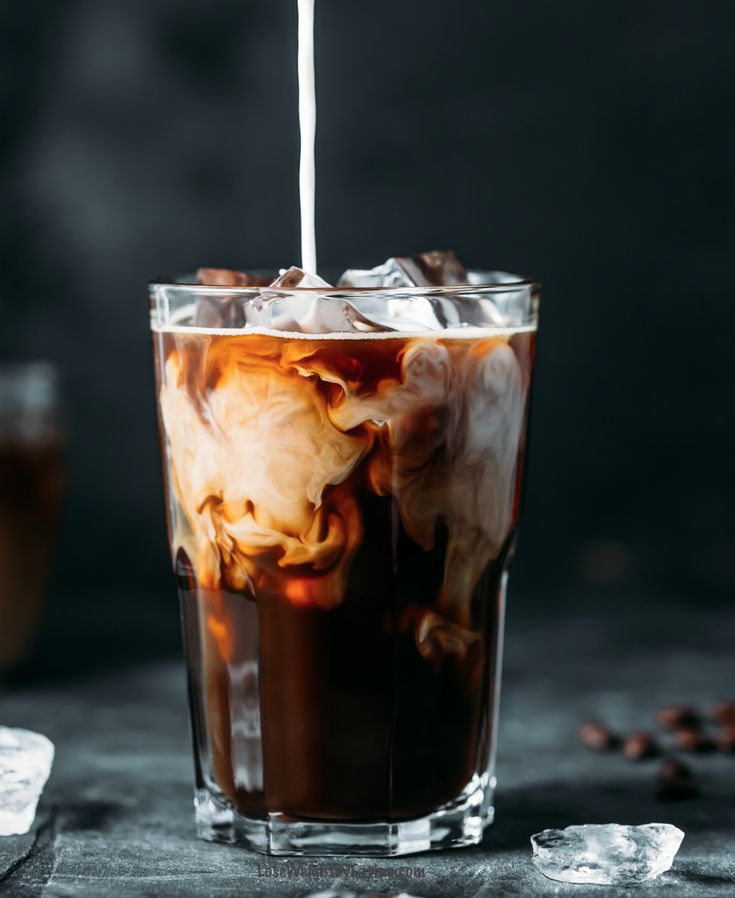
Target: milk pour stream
{"points": [[307, 126]]}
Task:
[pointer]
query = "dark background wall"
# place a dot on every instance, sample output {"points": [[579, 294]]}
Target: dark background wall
{"points": [[588, 144]]}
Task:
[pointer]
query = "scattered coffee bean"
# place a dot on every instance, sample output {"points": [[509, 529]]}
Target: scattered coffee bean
{"points": [[639, 746], [724, 713], [675, 716], [676, 780], [692, 739], [725, 739], [597, 736]]}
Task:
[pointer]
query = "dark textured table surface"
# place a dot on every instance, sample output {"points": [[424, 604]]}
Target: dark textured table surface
{"points": [[116, 816]]}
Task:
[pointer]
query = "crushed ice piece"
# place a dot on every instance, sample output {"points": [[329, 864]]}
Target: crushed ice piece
{"points": [[415, 314], [288, 278], [218, 312], [606, 854], [438, 268], [310, 313], [318, 313], [247, 751], [25, 764], [386, 275], [226, 277], [223, 311]]}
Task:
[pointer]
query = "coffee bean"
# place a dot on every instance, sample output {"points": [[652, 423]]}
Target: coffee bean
{"points": [[724, 712], [673, 717], [676, 780], [597, 736], [692, 739], [725, 739], [639, 746]]}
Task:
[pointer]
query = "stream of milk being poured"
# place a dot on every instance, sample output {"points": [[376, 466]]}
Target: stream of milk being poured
{"points": [[307, 127]]}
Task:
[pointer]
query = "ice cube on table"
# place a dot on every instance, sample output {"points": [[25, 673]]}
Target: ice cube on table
{"points": [[25, 764], [606, 854], [438, 268]]}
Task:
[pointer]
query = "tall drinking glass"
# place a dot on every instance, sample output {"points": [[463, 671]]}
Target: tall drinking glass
{"points": [[343, 475]]}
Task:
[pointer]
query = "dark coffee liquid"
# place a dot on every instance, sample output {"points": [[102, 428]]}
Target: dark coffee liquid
{"points": [[358, 683], [30, 491]]}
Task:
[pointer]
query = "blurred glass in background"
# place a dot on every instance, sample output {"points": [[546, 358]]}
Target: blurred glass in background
{"points": [[31, 481]]}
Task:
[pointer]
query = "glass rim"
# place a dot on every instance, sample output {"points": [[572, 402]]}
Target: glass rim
{"points": [[514, 283]]}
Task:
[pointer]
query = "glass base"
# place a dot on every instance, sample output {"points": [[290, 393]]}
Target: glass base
{"points": [[458, 825]]}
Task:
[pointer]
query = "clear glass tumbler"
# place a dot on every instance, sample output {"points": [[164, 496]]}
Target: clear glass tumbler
{"points": [[342, 505]]}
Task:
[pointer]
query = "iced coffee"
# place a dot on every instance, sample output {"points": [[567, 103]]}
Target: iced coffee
{"points": [[343, 471]]}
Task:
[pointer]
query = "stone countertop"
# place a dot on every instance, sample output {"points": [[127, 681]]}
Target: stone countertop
{"points": [[116, 816]]}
